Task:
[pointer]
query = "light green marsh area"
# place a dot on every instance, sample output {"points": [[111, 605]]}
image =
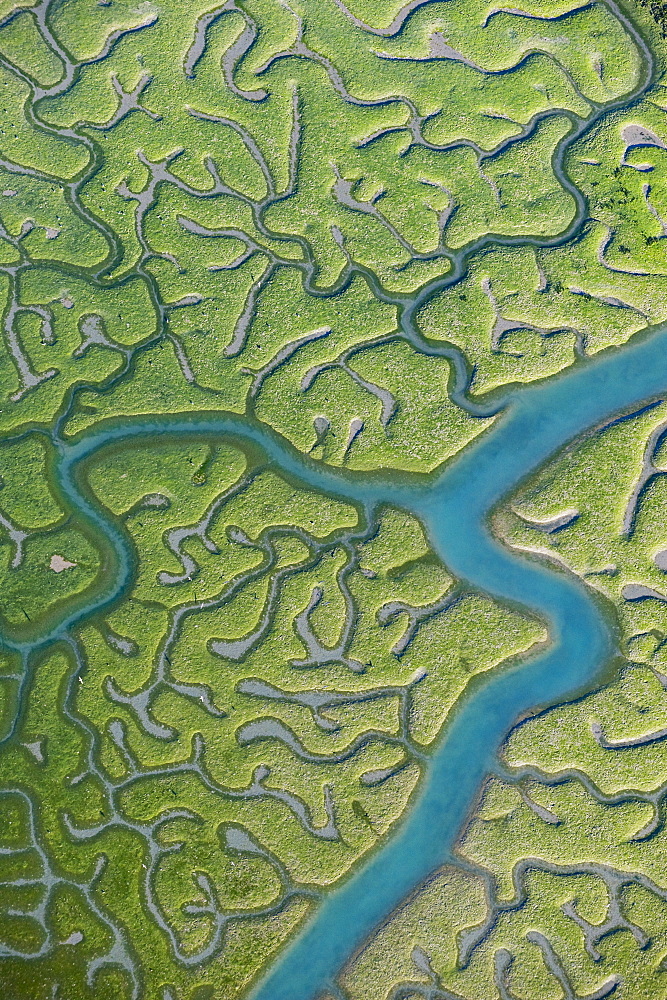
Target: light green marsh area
{"points": [[361, 227]]}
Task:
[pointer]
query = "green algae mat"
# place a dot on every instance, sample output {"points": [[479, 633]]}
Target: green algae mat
{"points": [[354, 234]]}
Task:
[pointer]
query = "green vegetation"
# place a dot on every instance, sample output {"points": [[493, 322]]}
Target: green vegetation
{"points": [[352, 230], [566, 846], [318, 788]]}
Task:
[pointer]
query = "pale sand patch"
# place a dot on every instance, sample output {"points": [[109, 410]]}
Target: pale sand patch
{"points": [[76, 937], [36, 749], [59, 563]]}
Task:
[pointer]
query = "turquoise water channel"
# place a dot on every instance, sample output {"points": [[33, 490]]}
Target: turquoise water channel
{"points": [[454, 507]]}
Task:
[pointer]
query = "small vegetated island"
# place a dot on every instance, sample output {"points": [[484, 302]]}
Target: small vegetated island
{"points": [[333, 500]]}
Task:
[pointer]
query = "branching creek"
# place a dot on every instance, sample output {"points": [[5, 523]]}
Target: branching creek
{"points": [[454, 505]]}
